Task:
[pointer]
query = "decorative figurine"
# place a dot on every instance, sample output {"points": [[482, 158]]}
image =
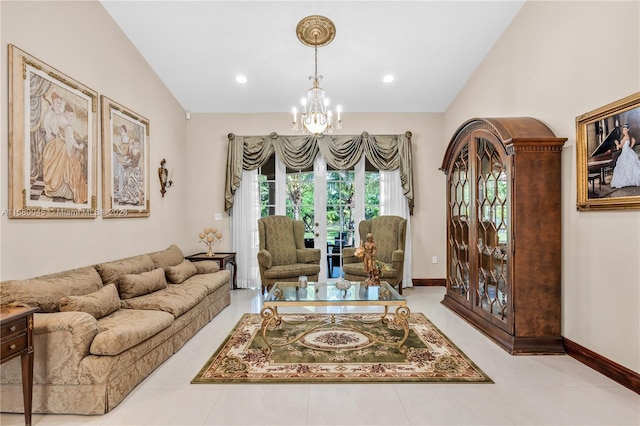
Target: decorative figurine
{"points": [[367, 252]]}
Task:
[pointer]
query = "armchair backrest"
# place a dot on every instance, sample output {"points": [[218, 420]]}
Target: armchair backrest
{"points": [[389, 233], [281, 236]]}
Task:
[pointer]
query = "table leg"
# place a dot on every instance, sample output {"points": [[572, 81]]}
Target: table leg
{"points": [[27, 382], [235, 273], [270, 320], [232, 261]]}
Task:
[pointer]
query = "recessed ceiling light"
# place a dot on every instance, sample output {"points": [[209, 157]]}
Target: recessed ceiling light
{"points": [[241, 79], [387, 78]]}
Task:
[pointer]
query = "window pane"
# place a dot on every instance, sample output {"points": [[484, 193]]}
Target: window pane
{"points": [[371, 194], [299, 201], [267, 187]]}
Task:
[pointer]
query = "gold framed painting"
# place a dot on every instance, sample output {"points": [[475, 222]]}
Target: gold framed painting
{"points": [[608, 156], [125, 162], [53, 130]]}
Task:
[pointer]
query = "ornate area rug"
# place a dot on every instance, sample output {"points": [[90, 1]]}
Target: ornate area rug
{"points": [[344, 351]]}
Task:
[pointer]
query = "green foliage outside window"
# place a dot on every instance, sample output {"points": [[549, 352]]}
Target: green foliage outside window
{"points": [[340, 199]]}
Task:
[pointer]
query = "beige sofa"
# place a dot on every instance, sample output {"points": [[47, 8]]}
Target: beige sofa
{"points": [[102, 329]]}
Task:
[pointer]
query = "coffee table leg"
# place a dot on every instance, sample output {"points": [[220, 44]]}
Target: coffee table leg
{"points": [[402, 319], [270, 320]]}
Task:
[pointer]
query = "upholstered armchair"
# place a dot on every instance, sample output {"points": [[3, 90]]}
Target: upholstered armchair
{"points": [[282, 255], [389, 233]]}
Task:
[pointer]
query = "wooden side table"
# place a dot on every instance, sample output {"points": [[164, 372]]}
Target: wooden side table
{"points": [[16, 339], [223, 259]]}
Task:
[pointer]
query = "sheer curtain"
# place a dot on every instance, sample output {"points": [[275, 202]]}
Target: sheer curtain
{"points": [[244, 230], [394, 202]]}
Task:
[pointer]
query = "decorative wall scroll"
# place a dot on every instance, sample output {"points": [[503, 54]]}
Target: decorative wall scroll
{"points": [[125, 162], [53, 128], [608, 152]]}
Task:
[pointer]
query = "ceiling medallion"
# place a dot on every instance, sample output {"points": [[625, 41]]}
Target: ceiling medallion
{"points": [[315, 30]]}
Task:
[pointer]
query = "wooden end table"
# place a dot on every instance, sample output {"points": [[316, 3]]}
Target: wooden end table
{"points": [[16, 338], [223, 259]]}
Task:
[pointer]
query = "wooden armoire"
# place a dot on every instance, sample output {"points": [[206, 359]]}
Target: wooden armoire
{"points": [[504, 231]]}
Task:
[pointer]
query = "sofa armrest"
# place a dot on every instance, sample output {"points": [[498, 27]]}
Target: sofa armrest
{"points": [[397, 256], [397, 259], [264, 259], [309, 255], [349, 255], [61, 341]]}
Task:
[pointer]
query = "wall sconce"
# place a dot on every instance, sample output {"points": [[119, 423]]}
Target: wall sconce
{"points": [[165, 180]]}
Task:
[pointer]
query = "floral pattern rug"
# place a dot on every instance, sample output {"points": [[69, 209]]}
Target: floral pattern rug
{"points": [[344, 350]]}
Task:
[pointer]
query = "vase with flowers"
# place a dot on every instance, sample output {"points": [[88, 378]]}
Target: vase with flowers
{"points": [[209, 236]]}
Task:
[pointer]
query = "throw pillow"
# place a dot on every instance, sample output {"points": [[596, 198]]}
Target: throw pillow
{"points": [[179, 273], [111, 271], [46, 291], [207, 266], [132, 285], [168, 257], [99, 303]]}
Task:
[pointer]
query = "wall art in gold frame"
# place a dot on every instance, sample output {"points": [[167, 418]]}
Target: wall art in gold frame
{"points": [[125, 162], [608, 152], [53, 130]]}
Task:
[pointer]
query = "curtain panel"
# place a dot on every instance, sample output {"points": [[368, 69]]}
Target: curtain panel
{"points": [[385, 152]]}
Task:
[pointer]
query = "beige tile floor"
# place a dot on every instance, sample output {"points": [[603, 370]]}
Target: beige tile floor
{"points": [[528, 390]]}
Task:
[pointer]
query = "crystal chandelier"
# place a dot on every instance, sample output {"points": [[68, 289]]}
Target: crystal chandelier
{"points": [[315, 117]]}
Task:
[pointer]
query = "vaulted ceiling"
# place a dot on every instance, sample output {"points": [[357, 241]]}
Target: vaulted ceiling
{"points": [[198, 48]]}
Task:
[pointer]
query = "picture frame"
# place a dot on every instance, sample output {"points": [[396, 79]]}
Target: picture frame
{"points": [[53, 142], [608, 176], [125, 162]]}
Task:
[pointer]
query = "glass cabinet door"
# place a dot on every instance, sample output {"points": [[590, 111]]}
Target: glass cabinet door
{"points": [[458, 235], [492, 231], [502, 177]]}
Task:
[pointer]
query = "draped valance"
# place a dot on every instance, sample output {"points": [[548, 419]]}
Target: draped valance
{"points": [[385, 152]]}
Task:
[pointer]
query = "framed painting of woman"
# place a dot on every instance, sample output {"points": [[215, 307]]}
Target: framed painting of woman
{"points": [[608, 156], [53, 129], [125, 162]]}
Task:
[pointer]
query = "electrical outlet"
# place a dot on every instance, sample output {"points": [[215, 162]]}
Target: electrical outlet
{"points": [[218, 216], [434, 259]]}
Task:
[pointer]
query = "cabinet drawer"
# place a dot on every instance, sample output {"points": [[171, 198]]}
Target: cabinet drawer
{"points": [[14, 327], [14, 346]]}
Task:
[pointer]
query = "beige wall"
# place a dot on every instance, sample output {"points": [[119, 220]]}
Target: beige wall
{"points": [[556, 61], [206, 156], [81, 40]]}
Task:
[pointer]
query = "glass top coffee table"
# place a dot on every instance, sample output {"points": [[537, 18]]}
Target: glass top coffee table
{"points": [[288, 294]]}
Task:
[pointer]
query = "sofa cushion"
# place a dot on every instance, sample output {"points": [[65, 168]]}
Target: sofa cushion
{"points": [[386, 230], [211, 281], [358, 269], [288, 271], [280, 240], [207, 266], [176, 299], [110, 272], [99, 303], [126, 328], [46, 291], [171, 256], [180, 272], [132, 285]]}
